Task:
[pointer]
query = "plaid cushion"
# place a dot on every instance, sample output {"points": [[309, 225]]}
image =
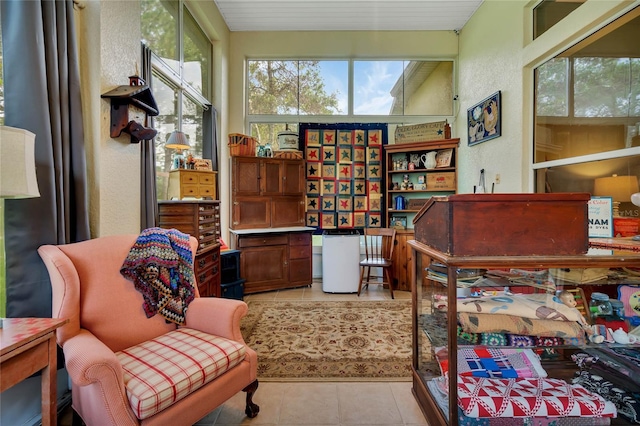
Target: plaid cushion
{"points": [[164, 370]]}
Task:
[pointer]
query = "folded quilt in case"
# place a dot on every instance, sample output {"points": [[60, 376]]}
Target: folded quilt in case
{"points": [[529, 397], [534, 306], [511, 324]]}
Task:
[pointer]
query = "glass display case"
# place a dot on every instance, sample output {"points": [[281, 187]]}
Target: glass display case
{"points": [[519, 349]]}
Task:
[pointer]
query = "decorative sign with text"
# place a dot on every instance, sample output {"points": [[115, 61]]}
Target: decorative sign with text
{"points": [[421, 132], [601, 217]]}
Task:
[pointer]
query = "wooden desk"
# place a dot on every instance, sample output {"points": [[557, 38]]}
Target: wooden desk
{"points": [[28, 345]]}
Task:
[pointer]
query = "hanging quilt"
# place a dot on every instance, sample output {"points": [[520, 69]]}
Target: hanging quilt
{"points": [[344, 175]]}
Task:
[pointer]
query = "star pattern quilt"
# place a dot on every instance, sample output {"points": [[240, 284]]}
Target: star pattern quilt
{"points": [[344, 175]]}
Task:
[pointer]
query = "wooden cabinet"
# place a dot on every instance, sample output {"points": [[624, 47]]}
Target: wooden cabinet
{"points": [[425, 183], [200, 219], [436, 306], [267, 192], [273, 260], [192, 183]]}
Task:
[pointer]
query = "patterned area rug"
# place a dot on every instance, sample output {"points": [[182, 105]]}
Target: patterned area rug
{"points": [[312, 341]]}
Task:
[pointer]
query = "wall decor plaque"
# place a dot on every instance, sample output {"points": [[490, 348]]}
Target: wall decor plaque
{"points": [[423, 132]]}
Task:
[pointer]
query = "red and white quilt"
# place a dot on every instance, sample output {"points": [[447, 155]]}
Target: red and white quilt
{"points": [[529, 397]]}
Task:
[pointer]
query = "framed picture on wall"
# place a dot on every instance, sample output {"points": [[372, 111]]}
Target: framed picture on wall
{"points": [[484, 120]]}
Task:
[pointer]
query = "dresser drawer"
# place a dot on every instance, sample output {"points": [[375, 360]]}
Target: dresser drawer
{"points": [[189, 178], [208, 274], [206, 191], [207, 260], [265, 240], [206, 179], [299, 238], [299, 252], [189, 190]]}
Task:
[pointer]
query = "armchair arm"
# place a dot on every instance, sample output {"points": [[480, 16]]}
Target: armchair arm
{"points": [[217, 316], [90, 363], [88, 360]]}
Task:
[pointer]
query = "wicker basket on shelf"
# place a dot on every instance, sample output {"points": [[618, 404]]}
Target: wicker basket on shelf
{"points": [[242, 145]]}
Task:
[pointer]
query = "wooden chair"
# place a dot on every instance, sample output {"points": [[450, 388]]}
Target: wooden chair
{"points": [[379, 243]]}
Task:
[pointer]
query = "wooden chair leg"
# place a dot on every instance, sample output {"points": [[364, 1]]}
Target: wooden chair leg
{"points": [[251, 409], [387, 274], [361, 278]]}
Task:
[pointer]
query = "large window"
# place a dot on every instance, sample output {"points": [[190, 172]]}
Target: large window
{"points": [[283, 93], [587, 112], [181, 81], [588, 98]]}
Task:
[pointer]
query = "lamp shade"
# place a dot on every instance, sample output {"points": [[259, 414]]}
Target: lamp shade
{"points": [[178, 140], [17, 163], [619, 188]]}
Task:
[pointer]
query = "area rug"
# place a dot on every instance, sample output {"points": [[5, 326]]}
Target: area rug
{"points": [[317, 341]]}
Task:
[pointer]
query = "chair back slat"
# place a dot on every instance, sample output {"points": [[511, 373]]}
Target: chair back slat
{"points": [[379, 243]]}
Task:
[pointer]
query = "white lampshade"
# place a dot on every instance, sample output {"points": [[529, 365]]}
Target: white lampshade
{"points": [[17, 163], [178, 140]]}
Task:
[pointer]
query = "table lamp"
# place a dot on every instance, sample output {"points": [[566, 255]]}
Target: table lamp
{"points": [[17, 179], [178, 141], [619, 188]]}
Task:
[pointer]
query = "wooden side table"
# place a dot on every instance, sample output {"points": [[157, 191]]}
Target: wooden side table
{"points": [[28, 345]]}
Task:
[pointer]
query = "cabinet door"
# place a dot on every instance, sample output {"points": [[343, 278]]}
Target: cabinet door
{"points": [[287, 211], [264, 268], [246, 176], [271, 177], [251, 212], [293, 182], [402, 260], [300, 271]]}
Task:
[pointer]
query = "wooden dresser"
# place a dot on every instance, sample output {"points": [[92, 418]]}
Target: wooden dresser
{"points": [[274, 258], [201, 219], [192, 183]]}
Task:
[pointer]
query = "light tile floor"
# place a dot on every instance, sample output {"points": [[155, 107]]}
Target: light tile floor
{"points": [[324, 403]]}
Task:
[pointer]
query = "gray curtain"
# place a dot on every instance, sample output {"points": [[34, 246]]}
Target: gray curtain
{"points": [[148, 195], [42, 95], [210, 133]]}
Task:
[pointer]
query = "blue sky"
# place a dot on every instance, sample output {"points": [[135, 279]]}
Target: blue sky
{"points": [[373, 81]]}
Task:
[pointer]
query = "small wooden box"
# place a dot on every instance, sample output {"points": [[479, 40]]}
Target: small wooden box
{"points": [[416, 203], [505, 224], [444, 181]]}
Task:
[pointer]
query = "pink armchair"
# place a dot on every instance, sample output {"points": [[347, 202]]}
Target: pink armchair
{"points": [[125, 368]]}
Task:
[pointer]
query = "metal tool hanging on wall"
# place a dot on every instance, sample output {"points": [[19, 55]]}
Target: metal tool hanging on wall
{"points": [[480, 188]]}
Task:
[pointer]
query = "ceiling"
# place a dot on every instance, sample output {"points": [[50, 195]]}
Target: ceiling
{"points": [[346, 15]]}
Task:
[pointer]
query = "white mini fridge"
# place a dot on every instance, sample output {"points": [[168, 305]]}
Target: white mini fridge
{"points": [[340, 261]]}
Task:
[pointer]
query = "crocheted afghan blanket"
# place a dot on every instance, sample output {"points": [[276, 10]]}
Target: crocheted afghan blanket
{"points": [[160, 265]]}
